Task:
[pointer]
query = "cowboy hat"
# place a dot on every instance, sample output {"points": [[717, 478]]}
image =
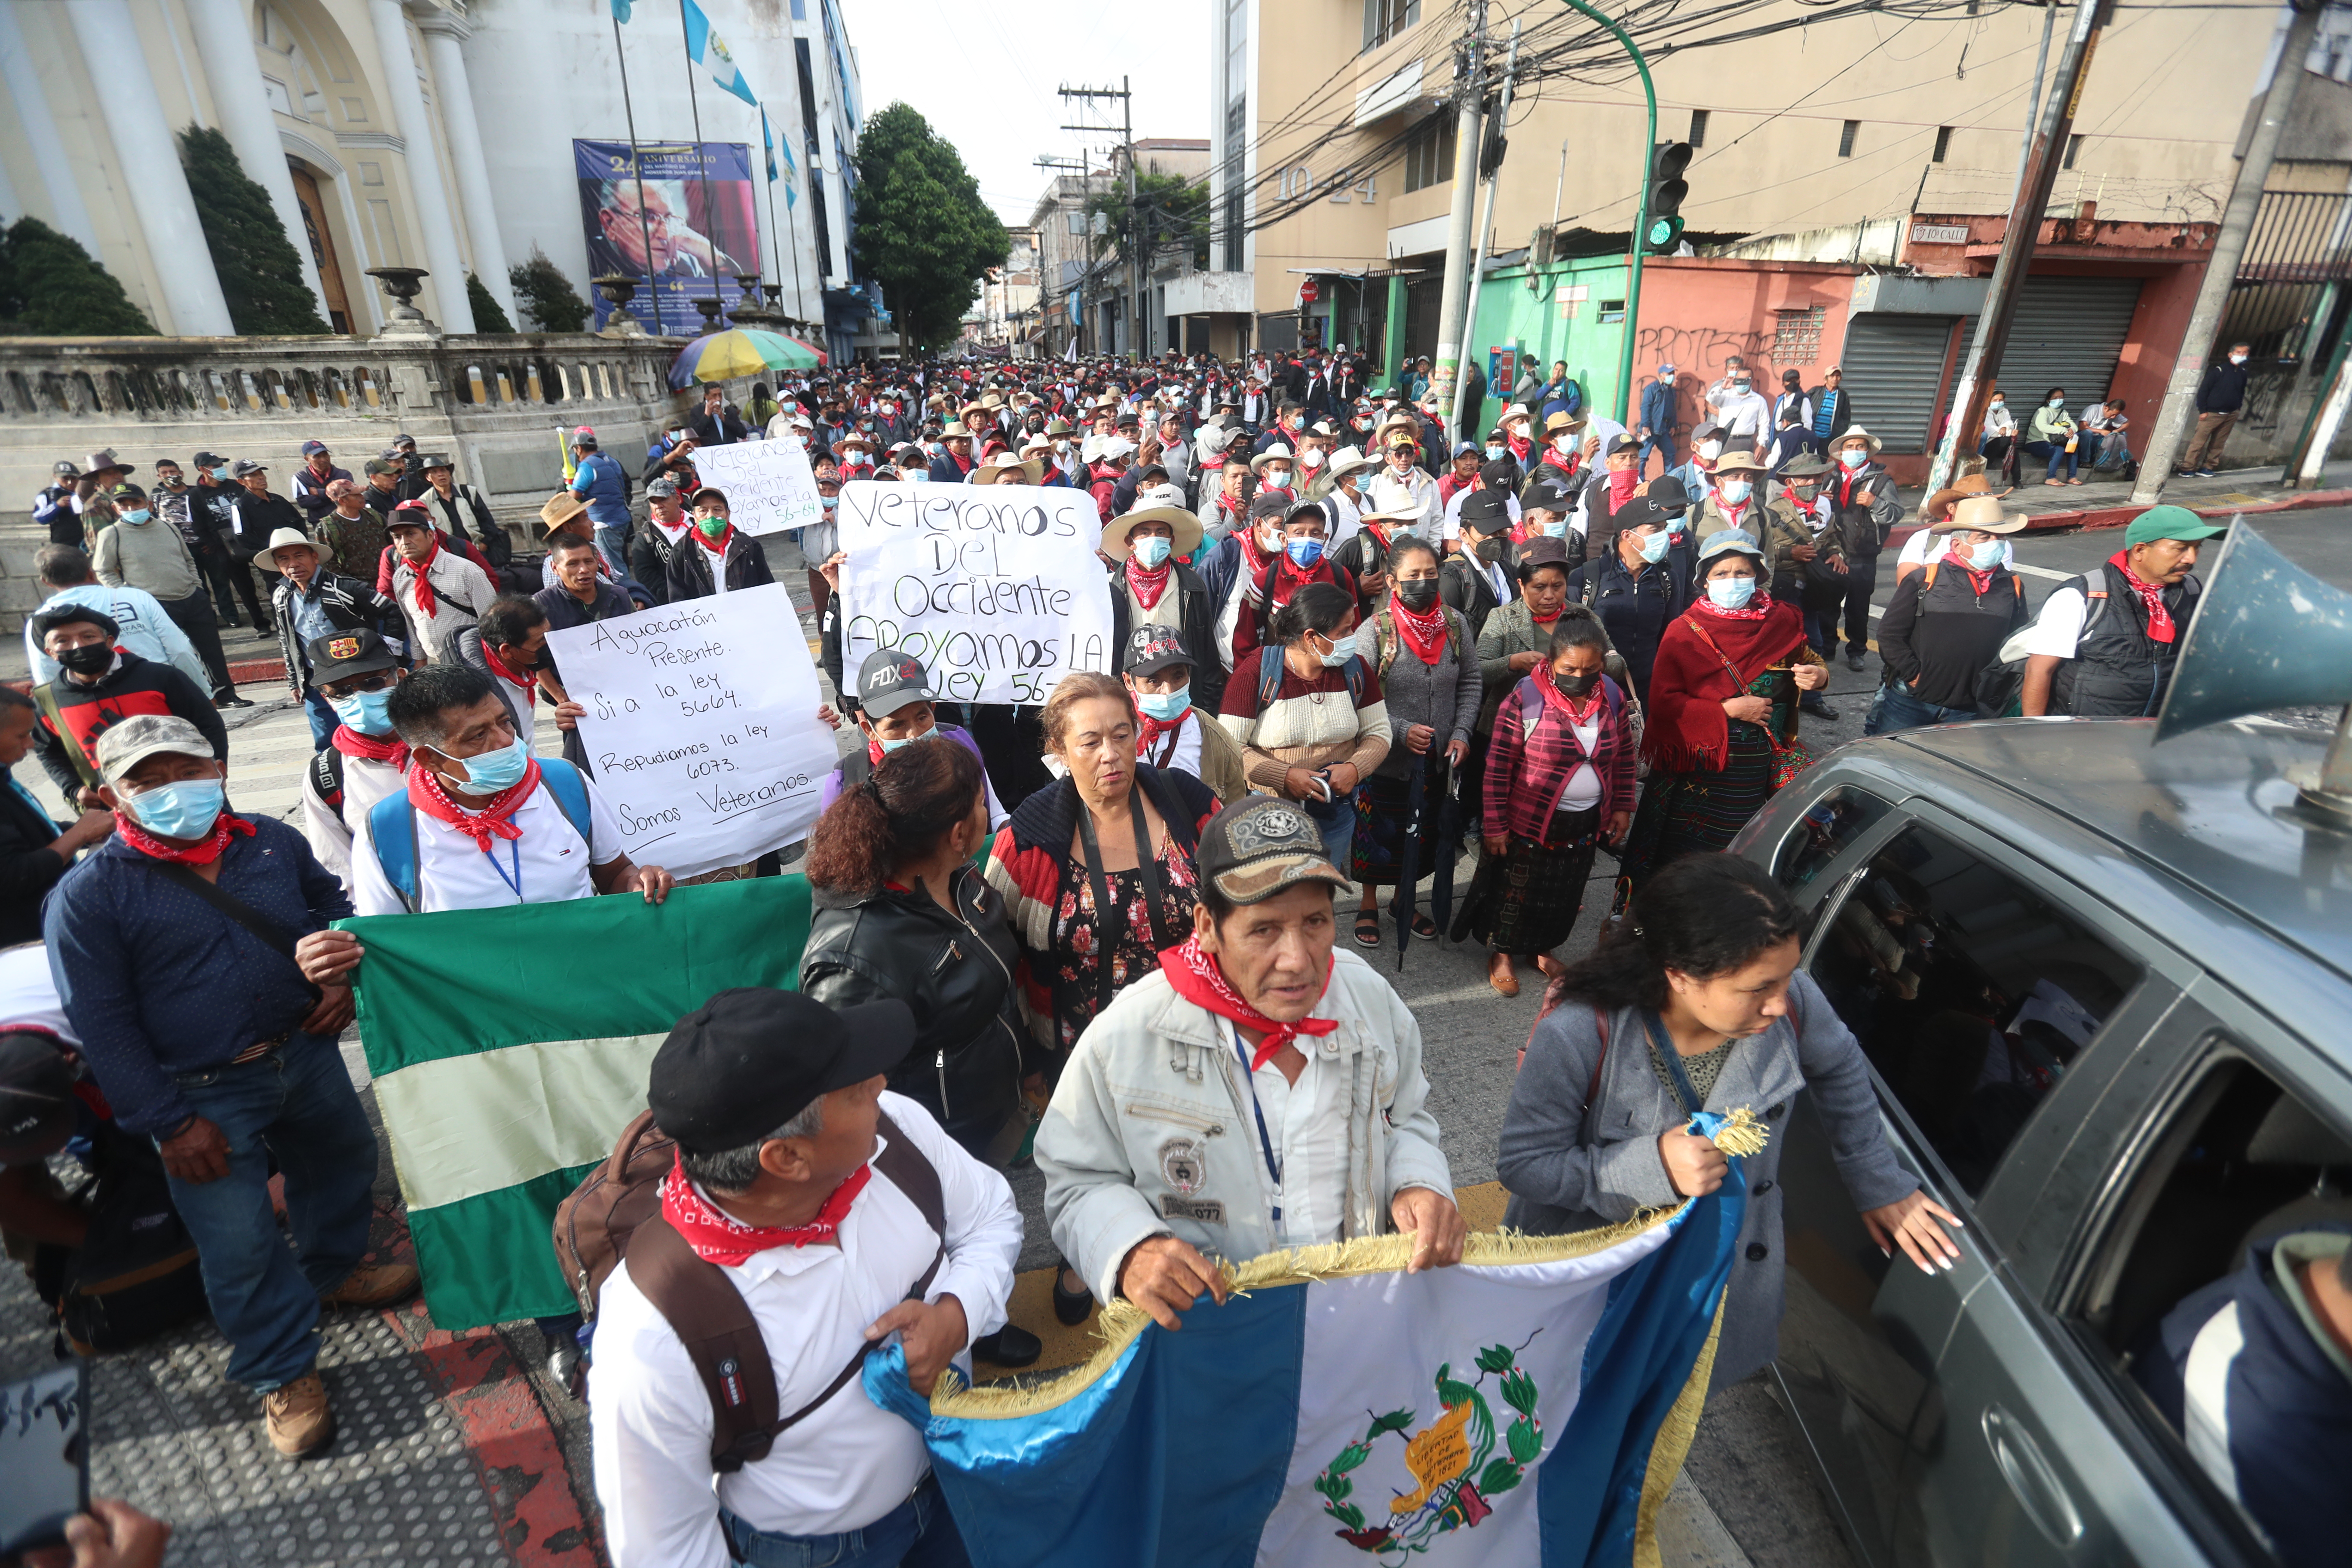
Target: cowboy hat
{"points": [[986, 474], [1154, 503], [1940, 504], [1804, 466], [1349, 460], [1982, 514], [1738, 460], [1563, 420], [560, 508], [1389, 501], [284, 539], [840, 448], [1851, 432], [1277, 453]]}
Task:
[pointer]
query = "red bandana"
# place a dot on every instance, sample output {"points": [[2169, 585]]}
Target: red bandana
{"points": [[425, 600], [385, 749], [1980, 581], [728, 1242], [715, 546], [1757, 608], [1425, 634], [1147, 731], [1198, 980], [1562, 703], [528, 681], [2160, 619], [202, 853], [493, 821], [1146, 586], [1623, 482]]}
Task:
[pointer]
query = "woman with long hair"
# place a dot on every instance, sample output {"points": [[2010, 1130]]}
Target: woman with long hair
{"points": [[1693, 1002]]}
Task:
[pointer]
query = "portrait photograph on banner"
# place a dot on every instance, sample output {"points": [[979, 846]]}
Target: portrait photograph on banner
{"points": [[698, 222]]}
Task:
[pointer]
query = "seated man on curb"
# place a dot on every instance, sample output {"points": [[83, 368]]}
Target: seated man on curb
{"points": [[781, 1122], [1256, 1011], [205, 1035]]}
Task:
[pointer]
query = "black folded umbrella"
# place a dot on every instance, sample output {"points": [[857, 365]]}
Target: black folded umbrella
{"points": [[1409, 861]]}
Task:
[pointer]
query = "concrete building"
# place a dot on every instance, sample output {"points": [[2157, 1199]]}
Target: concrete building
{"points": [[432, 134], [1003, 320], [1092, 294], [1066, 265]]}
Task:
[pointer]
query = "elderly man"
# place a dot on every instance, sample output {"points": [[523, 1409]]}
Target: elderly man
{"points": [[2105, 641], [309, 603], [655, 540], [100, 686], [713, 424], [463, 512], [841, 1215], [141, 551], [439, 592], [206, 1037], [1256, 1023], [256, 514]]}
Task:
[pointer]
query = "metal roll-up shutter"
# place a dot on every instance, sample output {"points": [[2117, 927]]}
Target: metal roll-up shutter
{"points": [[1893, 367], [2069, 332]]}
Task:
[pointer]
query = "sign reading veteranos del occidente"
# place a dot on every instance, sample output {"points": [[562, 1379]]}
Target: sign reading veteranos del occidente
{"points": [[995, 588], [701, 726]]}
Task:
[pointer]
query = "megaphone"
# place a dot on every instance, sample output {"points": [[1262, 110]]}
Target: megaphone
{"points": [[2266, 634]]}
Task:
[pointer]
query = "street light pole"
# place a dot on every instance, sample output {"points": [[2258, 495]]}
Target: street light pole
{"points": [[1641, 214]]}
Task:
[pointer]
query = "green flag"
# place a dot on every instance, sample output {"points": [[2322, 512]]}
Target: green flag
{"points": [[510, 1047]]}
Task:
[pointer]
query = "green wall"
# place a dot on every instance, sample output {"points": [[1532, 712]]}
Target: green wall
{"points": [[1510, 313]]}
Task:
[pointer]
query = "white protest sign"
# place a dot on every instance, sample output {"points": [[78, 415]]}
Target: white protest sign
{"points": [[768, 485], [701, 727], [996, 588]]}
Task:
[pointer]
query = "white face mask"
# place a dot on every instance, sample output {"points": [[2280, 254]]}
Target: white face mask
{"points": [[1564, 445], [2237, 359], [1310, 459], [1710, 450]]}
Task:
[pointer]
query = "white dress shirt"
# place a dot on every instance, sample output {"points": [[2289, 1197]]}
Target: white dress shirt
{"points": [[851, 1462], [365, 782], [550, 860], [1307, 1122], [1745, 417]]}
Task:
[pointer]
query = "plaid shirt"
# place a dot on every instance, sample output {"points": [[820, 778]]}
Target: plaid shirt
{"points": [[1528, 768]]}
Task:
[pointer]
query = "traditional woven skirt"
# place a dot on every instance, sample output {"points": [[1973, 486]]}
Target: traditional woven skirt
{"points": [[1698, 812], [1530, 904]]}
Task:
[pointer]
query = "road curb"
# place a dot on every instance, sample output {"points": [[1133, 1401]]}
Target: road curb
{"points": [[2117, 516]]}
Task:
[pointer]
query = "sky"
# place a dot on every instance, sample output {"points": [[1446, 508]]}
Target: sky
{"points": [[984, 73]]}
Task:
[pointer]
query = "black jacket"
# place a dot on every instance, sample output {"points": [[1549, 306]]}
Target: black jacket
{"points": [[1635, 611], [28, 867], [1196, 619], [689, 576], [649, 553], [1936, 636], [1463, 584], [254, 520], [134, 686], [715, 431], [466, 517], [956, 974], [2224, 390], [2118, 670], [349, 603]]}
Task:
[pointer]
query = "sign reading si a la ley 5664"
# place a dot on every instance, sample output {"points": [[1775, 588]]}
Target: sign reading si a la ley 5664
{"points": [[995, 588], [701, 726]]}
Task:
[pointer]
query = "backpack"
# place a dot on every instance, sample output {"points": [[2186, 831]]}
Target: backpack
{"points": [[327, 779], [1457, 637], [136, 1273], [392, 825], [615, 1212], [2000, 685]]}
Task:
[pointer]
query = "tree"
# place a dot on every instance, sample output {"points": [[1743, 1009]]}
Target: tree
{"points": [[49, 285], [1170, 213], [487, 316], [260, 274], [544, 295], [923, 232]]}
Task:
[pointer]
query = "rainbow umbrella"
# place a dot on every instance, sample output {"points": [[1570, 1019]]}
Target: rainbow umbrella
{"points": [[739, 350]]}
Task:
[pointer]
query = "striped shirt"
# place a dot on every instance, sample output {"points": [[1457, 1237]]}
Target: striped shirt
{"points": [[1311, 722]]}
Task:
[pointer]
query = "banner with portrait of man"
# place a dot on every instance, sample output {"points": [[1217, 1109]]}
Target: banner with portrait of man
{"points": [[698, 223]]}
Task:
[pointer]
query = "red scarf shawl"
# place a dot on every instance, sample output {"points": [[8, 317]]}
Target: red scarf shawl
{"points": [[1688, 731], [494, 820], [1146, 586], [375, 749], [204, 852], [425, 600], [2160, 619], [719, 1238], [527, 682], [1425, 635], [1982, 581], [1198, 980]]}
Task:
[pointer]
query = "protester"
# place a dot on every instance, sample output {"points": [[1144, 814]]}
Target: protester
{"points": [[1695, 1001], [775, 1102], [464, 513], [210, 1041], [1720, 731], [581, 596], [1144, 1208], [723, 558], [2051, 435], [439, 592], [139, 553], [35, 850], [1423, 655], [1744, 413], [901, 914], [53, 506], [2220, 396], [509, 646], [895, 707], [1174, 730], [1302, 560], [1832, 409], [1863, 507], [309, 603], [142, 626], [364, 759], [1636, 591], [600, 482], [1514, 639], [311, 477], [99, 686], [657, 540], [350, 535], [1151, 585], [1947, 622], [1285, 706], [1479, 579], [2105, 642]]}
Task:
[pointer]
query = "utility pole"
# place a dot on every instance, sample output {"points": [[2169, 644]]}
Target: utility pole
{"points": [[1470, 88], [2033, 99], [1134, 263], [1485, 240], [2172, 420], [2042, 158]]}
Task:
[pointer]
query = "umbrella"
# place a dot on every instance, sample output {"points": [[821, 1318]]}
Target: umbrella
{"points": [[1449, 842], [1409, 866], [739, 350]]}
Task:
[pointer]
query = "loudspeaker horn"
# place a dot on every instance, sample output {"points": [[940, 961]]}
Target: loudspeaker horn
{"points": [[2266, 634]]}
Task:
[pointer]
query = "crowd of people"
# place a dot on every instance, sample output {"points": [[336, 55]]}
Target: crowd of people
{"points": [[1090, 933]]}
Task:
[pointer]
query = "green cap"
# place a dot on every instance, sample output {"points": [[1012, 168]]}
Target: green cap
{"points": [[2170, 522]]}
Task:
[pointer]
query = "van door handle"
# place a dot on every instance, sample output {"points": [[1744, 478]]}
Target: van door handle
{"points": [[2035, 1484]]}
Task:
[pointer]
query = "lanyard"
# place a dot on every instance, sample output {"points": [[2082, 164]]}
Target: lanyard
{"points": [[1265, 1142], [1111, 923], [514, 847], [1660, 1043]]}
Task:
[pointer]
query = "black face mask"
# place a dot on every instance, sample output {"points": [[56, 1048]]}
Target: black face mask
{"points": [[1490, 550], [1418, 594], [1574, 685], [90, 658]]}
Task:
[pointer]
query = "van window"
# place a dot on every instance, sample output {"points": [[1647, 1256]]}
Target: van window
{"points": [[1969, 992], [1818, 836]]}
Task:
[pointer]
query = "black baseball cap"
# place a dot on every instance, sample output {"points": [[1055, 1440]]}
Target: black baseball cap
{"points": [[346, 654], [1545, 493], [1485, 511], [890, 679], [1259, 847], [751, 1058], [1152, 648], [37, 1107], [1268, 503], [1666, 493], [1500, 474], [49, 617]]}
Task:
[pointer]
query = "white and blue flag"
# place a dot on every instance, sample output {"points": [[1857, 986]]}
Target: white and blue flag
{"points": [[708, 50]]}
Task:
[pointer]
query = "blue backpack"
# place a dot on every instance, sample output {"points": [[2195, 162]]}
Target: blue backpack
{"points": [[392, 824]]}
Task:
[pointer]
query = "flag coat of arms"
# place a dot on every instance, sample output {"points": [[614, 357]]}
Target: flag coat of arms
{"points": [[1527, 1408], [510, 1047], [708, 49]]}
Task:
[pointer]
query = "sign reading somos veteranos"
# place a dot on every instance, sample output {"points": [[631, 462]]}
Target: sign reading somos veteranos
{"points": [[996, 588], [768, 484], [701, 726]]}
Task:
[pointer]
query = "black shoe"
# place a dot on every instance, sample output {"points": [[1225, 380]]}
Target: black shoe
{"points": [[1853, 661], [1011, 1345], [1818, 707], [1070, 1311], [232, 701]]}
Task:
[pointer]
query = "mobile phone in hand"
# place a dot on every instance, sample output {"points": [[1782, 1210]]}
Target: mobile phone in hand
{"points": [[45, 1454]]}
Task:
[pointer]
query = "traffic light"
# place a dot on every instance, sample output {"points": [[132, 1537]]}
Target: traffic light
{"points": [[1663, 229]]}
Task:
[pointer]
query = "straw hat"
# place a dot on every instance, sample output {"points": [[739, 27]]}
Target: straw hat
{"points": [[1349, 460], [1154, 503], [1389, 501], [1940, 504], [1563, 420], [1738, 460], [560, 508], [1851, 432], [1982, 514], [987, 473]]}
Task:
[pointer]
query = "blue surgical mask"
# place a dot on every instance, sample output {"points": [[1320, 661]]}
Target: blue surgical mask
{"points": [[1553, 530], [1342, 651], [1734, 492], [1165, 706], [183, 810], [142, 515], [1731, 593], [494, 771], [931, 734], [1854, 460], [1494, 452], [1985, 557], [2057, 403], [1152, 553], [367, 712], [1654, 547], [1305, 552]]}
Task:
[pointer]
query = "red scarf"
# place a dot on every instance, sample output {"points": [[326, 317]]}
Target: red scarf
{"points": [[1146, 586], [715, 546], [728, 1242], [425, 600], [1562, 703], [388, 749], [1425, 635], [202, 853], [1982, 581], [1522, 448], [2160, 619], [493, 821], [528, 681], [1198, 980], [1147, 731], [1623, 484]]}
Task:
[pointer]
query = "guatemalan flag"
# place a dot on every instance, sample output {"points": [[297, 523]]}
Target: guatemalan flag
{"points": [[1528, 1407], [708, 50]]}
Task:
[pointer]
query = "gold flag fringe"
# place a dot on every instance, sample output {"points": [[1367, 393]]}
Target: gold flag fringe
{"points": [[1741, 1133], [1671, 1445]]}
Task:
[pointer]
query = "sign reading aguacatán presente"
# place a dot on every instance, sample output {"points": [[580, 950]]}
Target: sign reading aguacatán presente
{"points": [[995, 588]]}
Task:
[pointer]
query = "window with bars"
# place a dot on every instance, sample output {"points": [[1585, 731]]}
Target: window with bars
{"points": [[1943, 142], [1429, 153], [1797, 336], [1845, 138], [1698, 137], [1384, 19]]}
